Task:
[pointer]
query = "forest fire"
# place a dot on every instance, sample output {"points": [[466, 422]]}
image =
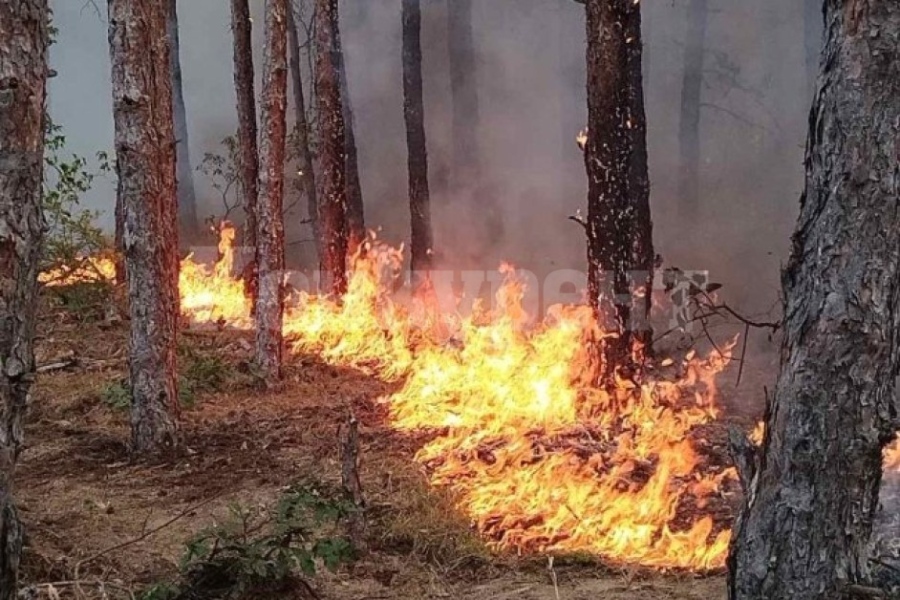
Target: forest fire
{"points": [[538, 460]]}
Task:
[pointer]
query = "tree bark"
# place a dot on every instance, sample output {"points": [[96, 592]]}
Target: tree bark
{"points": [[804, 531], [414, 116], [619, 228], [248, 169], [24, 39], [332, 165], [270, 219], [691, 92], [145, 161], [307, 170], [356, 220], [188, 224]]}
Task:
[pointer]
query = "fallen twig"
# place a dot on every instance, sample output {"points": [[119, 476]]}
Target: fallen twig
{"points": [[76, 581]]}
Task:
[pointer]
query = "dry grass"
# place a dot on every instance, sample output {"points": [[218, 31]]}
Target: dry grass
{"points": [[80, 496]]}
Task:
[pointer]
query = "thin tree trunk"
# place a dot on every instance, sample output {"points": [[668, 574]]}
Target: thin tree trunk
{"points": [[242, 30], [691, 90], [414, 115], [356, 220], [307, 170], [620, 247], [804, 531], [145, 161], [270, 219], [463, 89], [188, 224], [332, 165], [24, 38]]}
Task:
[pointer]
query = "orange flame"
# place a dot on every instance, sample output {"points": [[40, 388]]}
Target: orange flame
{"points": [[537, 459]]}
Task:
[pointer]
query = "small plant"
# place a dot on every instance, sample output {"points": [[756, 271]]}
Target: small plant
{"points": [[257, 550], [117, 395], [86, 300], [72, 233]]}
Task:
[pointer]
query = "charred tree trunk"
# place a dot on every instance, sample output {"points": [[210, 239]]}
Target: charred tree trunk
{"points": [[188, 224], [804, 531], [812, 40], [145, 162], [414, 115], [248, 169], [463, 91], [620, 247], [691, 90], [332, 165], [270, 219], [356, 219], [308, 175], [24, 38]]}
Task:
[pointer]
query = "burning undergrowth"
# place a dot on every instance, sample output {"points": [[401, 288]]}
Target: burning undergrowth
{"points": [[536, 458]]}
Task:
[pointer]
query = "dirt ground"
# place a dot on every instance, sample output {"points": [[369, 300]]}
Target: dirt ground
{"points": [[98, 524]]}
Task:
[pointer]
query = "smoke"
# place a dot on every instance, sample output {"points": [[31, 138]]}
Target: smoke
{"points": [[529, 79]]}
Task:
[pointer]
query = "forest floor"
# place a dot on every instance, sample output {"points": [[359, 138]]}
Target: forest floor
{"points": [[99, 526]]}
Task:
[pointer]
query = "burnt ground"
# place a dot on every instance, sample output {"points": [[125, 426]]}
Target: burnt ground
{"points": [[116, 527]]}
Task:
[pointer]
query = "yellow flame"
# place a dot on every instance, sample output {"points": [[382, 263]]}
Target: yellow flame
{"points": [[538, 460]]}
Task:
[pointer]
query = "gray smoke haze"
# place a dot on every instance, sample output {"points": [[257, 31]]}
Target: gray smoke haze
{"points": [[530, 82]]}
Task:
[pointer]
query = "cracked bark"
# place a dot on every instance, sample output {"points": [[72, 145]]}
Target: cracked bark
{"points": [[24, 40], [332, 177], [270, 218], [804, 531], [145, 162], [619, 228]]}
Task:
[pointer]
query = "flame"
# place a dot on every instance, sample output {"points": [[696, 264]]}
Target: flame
{"points": [[86, 269], [539, 460]]}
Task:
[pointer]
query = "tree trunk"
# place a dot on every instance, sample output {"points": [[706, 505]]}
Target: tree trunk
{"points": [[691, 90], [414, 115], [248, 169], [307, 170], [24, 39], [356, 220], [188, 224], [463, 89], [620, 247], [812, 40], [332, 166], [804, 531], [145, 161], [270, 219]]}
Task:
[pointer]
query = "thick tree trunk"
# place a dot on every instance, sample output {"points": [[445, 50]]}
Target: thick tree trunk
{"points": [[620, 246], [691, 90], [307, 170], [804, 531], [414, 115], [356, 219], [24, 39], [812, 40], [332, 165], [145, 161], [188, 225], [270, 219], [248, 173]]}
